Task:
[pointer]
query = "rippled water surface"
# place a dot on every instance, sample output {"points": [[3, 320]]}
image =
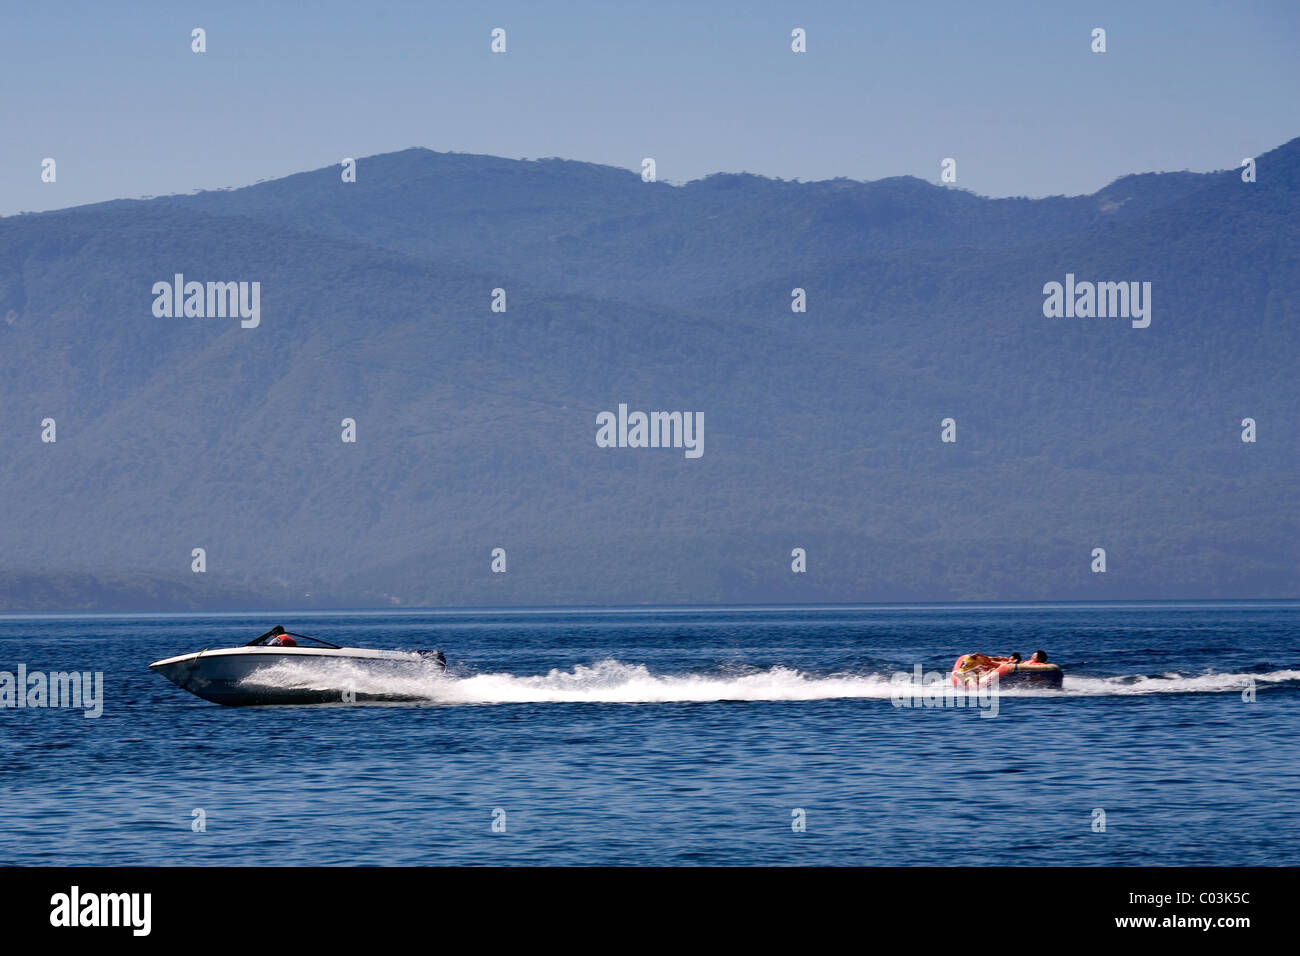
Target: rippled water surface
{"points": [[675, 736]]}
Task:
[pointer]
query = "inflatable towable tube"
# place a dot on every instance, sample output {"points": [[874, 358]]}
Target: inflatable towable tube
{"points": [[980, 669]]}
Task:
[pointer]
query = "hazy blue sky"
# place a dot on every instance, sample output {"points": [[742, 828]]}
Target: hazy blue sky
{"points": [[1011, 90]]}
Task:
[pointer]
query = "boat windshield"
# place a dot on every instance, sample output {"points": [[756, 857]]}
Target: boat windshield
{"points": [[270, 637]]}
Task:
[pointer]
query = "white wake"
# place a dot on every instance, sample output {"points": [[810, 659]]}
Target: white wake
{"points": [[614, 682]]}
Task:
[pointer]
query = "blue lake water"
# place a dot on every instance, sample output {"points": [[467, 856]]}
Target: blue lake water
{"points": [[676, 736]]}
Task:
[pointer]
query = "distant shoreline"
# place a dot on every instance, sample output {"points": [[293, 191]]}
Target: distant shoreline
{"points": [[528, 610]]}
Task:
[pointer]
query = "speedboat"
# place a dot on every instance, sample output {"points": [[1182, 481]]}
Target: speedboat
{"points": [[980, 670], [283, 668]]}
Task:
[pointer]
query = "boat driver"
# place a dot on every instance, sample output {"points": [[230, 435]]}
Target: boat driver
{"points": [[283, 639]]}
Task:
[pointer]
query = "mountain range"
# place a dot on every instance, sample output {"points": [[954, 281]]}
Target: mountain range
{"points": [[476, 429]]}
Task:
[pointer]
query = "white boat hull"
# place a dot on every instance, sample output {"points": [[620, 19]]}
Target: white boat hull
{"points": [[242, 676]]}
